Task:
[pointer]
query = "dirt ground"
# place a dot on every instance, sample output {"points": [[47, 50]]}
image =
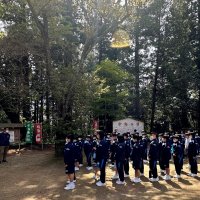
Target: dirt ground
{"points": [[37, 175]]}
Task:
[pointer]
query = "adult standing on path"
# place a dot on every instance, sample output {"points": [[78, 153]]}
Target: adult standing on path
{"points": [[4, 144], [1, 146]]}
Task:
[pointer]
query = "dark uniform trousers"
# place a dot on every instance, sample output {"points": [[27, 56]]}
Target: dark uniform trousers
{"points": [[142, 167], [153, 169], [89, 159], [120, 169], [193, 165], [126, 166], [102, 166], [178, 165]]}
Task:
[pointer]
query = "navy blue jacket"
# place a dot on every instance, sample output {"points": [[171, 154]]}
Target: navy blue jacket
{"points": [[144, 141], [94, 143], [192, 149], [69, 153], [144, 145], [120, 152], [4, 139], [177, 151], [153, 150], [137, 152], [87, 147], [102, 151], [165, 151], [108, 142], [80, 144], [197, 138], [113, 147], [1, 139], [77, 149], [127, 148]]}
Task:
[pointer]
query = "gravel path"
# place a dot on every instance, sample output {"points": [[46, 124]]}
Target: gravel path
{"points": [[37, 175]]}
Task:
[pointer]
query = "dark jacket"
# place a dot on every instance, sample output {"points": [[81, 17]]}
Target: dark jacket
{"points": [[69, 154], [177, 151], [120, 152], [102, 151], [113, 147], [87, 147], [77, 149], [1, 139], [127, 148], [153, 150], [137, 152], [165, 151], [192, 149], [4, 139]]}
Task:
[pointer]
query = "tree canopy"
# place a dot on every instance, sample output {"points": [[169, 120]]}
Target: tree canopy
{"points": [[57, 65]]}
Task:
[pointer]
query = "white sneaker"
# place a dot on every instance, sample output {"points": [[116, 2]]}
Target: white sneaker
{"points": [[94, 177], [145, 161], [177, 176], [89, 168], [115, 177], [111, 166], [162, 171], [70, 186], [190, 174], [120, 182], [166, 177], [194, 175], [100, 184], [154, 179], [69, 181], [126, 175], [141, 174], [136, 180], [188, 167], [80, 165], [76, 169]]}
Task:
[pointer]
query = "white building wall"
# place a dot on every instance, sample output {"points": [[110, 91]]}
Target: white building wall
{"points": [[128, 125]]}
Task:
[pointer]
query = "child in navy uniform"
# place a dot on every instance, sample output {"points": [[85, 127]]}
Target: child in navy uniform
{"points": [[177, 153], [88, 152], [142, 147], [69, 160], [80, 141], [94, 147], [113, 147], [145, 145], [153, 157], [165, 156], [192, 155], [101, 157], [4, 145], [127, 142], [120, 158], [137, 158], [197, 139], [77, 151], [160, 157]]}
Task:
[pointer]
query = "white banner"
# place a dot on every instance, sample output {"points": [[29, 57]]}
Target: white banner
{"points": [[12, 136]]}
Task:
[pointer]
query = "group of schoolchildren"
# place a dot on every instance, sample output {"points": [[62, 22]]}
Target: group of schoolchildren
{"points": [[120, 149]]}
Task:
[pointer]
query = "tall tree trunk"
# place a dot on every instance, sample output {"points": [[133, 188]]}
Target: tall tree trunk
{"points": [[198, 67], [137, 75], [26, 102], [41, 114], [158, 63], [47, 62]]}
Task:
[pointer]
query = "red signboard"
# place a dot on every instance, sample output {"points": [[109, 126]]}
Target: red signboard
{"points": [[38, 133]]}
